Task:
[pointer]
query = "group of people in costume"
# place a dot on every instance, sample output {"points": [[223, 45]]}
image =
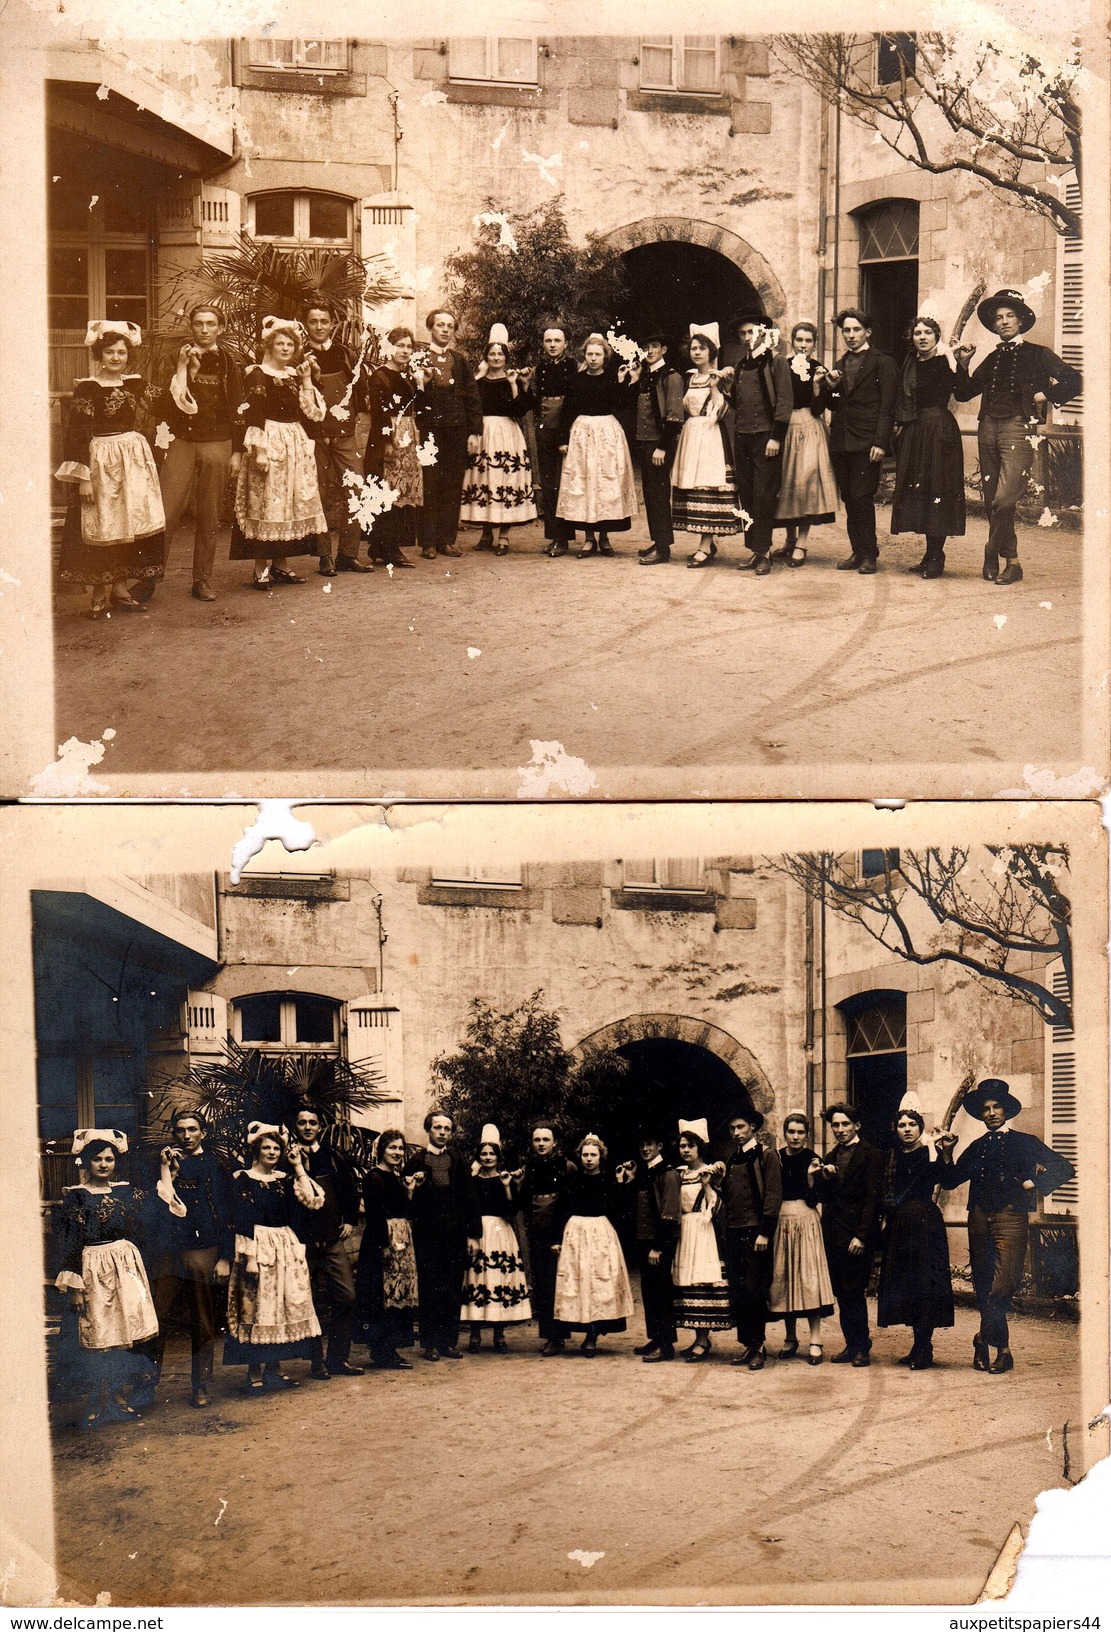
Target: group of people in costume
{"points": [[447, 443], [767, 1235]]}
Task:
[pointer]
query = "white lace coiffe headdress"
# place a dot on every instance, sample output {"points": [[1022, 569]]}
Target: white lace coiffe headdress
{"points": [[709, 331], [99, 327], [85, 1136]]}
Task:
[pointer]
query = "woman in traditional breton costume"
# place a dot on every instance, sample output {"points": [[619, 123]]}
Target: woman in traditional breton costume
{"points": [[114, 534], [495, 1292], [701, 1292], [592, 1283], [929, 462], [800, 1286], [703, 491], [386, 1278], [278, 512], [270, 1309], [100, 1227], [498, 489], [916, 1287], [808, 488], [596, 487], [398, 410]]}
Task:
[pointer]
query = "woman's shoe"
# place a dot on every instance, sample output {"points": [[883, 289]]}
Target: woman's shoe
{"points": [[124, 603], [500, 1345], [789, 1350], [797, 557], [908, 1359], [814, 1355], [604, 545], [502, 548], [118, 1411], [1004, 1361], [980, 1361], [923, 1360], [282, 575], [475, 1343], [553, 1346], [919, 566], [589, 1346], [263, 580], [783, 553], [486, 542], [99, 609], [696, 1352], [590, 547], [700, 558], [933, 569], [278, 1380], [254, 1384]]}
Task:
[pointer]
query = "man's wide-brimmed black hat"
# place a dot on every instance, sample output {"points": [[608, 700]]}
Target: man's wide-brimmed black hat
{"points": [[656, 337], [991, 1088], [987, 309], [750, 1114]]}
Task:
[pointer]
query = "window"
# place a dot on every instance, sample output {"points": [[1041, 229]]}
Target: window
{"points": [[500, 60], [889, 231], [500, 877], [287, 1021], [98, 263], [303, 55], [1061, 1127], [679, 62], [888, 257], [895, 58], [665, 873], [301, 218], [876, 1064], [877, 863]]}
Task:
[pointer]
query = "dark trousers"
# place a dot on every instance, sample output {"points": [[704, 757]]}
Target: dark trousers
{"points": [[1006, 458], [184, 1296], [209, 463], [441, 1261], [655, 482], [333, 459], [749, 1274], [543, 1263], [657, 1293], [849, 1277], [858, 477], [997, 1258], [443, 488], [549, 468], [333, 1296], [758, 479]]}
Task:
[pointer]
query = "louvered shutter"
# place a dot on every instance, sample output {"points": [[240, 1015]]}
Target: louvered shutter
{"points": [[1060, 1095], [1070, 303], [206, 1024], [374, 1039]]}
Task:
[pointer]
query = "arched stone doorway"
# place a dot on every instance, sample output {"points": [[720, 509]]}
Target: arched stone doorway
{"points": [[678, 1067], [680, 271]]}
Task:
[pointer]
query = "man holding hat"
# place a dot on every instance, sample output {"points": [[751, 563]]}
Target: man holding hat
{"points": [[1005, 1172], [659, 419], [752, 1194], [1015, 383], [762, 401]]}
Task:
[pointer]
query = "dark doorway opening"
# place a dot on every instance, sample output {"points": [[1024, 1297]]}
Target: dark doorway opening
{"points": [[669, 1079], [876, 1024], [674, 284], [889, 293]]}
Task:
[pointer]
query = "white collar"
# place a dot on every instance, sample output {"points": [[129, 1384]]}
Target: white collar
{"points": [[438, 351], [855, 1140], [749, 1144], [321, 345], [434, 1150], [860, 350], [654, 368], [657, 1161], [313, 1148], [94, 379], [1017, 341], [286, 372]]}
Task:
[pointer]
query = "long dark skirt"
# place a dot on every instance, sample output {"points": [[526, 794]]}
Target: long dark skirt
{"points": [[273, 549], [929, 477], [915, 1284], [83, 563], [393, 530]]}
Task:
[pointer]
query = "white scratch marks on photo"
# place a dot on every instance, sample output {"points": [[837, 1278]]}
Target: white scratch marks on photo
{"points": [[223, 1510], [473, 652], [275, 821], [69, 776], [587, 1560], [999, 619], [553, 769]]}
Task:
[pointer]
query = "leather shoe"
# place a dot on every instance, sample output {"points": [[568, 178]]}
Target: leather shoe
{"points": [[450, 1354], [659, 1357], [200, 1396], [851, 565], [1011, 574], [429, 555], [646, 1348], [327, 567], [844, 1358], [1004, 1361], [201, 591], [866, 569], [757, 1361], [321, 1373], [750, 564], [448, 549], [763, 566], [351, 563], [654, 559], [744, 1358], [553, 1346], [346, 1369], [862, 1359], [991, 566]]}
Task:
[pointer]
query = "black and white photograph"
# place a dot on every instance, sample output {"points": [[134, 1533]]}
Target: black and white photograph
{"points": [[348, 1161], [795, 322]]}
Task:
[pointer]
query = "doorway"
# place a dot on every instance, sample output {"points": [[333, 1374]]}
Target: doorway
{"points": [[672, 284], [876, 1050], [669, 1079]]}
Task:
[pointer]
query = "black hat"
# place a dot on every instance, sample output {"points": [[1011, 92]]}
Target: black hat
{"points": [[987, 309], [656, 337], [749, 314], [750, 1114], [990, 1088]]}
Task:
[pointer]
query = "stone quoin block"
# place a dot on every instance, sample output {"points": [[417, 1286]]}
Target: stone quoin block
{"points": [[1028, 1054], [752, 118], [576, 905], [920, 1006], [592, 105], [739, 913]]}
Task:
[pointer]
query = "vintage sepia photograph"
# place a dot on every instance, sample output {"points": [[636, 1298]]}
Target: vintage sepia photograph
{"points": [[791, 1124], [797, 320]]}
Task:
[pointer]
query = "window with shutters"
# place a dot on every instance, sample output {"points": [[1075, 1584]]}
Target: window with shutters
{"points": [[1070, 302], [675, 874], [285, 1022], [894, 58], [680, 62], [1061, 1131], [501, 876], [294, 219], [493, 59], [301, 55], [374, 1041]]}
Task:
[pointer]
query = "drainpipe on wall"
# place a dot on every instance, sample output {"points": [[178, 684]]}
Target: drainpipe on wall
{"points": [[822, 1001], [823, 228], [836, 237]]}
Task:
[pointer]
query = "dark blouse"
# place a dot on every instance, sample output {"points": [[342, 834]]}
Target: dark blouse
{"points": [[269, 1202], [384, 1197], [269, 398], [491, 1200], [793, 1165], [498, 400], [595, 394], [925, 382], [91, 1218], [803, 396], [910, 1175], [587, 1195], [101, 410], [390, 394]]}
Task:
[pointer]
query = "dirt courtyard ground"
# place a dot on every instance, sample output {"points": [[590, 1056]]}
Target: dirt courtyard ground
{"points": [[482, 1479], [436, 681]]}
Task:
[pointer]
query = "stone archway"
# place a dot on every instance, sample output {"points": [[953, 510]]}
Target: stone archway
{"points": [[637, 1028], [681, 229]]}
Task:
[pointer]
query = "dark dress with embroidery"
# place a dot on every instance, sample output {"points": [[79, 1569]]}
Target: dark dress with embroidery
{"points": [[270, 1308], [929, 462], [386, 1276], [498, 490], [399, 413], [494, 1285], [118, 533], [915, 1284], [98, 1236]]}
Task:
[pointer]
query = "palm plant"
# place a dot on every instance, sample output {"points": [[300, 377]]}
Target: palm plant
{"points": [[255, 280], [244, 1085]]}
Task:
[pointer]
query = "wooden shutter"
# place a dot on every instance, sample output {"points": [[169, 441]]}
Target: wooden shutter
{"points": [[206, 1023], [374, 1039], [1060, 1095], [1070, 303]]}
